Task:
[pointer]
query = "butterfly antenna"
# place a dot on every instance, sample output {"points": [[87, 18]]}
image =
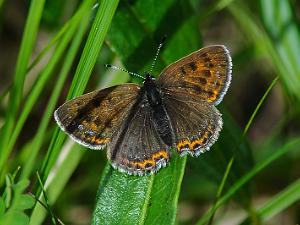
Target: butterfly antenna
{"points": [[157, 53], [126, 71]]}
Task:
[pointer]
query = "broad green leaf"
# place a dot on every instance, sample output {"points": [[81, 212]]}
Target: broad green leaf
{"points": [[14, 218], [25, 201], [2, 206], [13, 213], [126, 199]]}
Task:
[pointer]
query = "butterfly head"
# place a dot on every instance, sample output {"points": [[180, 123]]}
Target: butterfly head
{"points": [[148, 77]]}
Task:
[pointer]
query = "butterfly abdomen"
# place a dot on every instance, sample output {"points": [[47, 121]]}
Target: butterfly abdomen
{"points": [[162, 124]]}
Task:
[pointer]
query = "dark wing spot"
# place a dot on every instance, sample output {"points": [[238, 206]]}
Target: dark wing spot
{"points": [[197, 88], [202, 80], [209, 64], [206, 59], [203, 55], [96, 102], [182, 71], [137, 166], [210, 93], [193, 66], [197, 146], [206, 73], [148, 165]]}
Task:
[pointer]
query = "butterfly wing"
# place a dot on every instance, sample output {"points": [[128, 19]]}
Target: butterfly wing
{"points": [[137, 147], [196, 123], [205, 73], [92, 119]]}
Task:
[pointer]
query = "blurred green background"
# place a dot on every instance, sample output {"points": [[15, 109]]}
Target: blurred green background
{"points": [[55, 50]]}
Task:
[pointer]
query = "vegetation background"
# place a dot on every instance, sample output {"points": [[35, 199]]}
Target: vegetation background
{"points": [[54, 50]]}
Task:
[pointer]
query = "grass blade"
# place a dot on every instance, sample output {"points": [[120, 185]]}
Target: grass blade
{"points": [[83, 72], [48, 115], [279, 202], [28, 40]]}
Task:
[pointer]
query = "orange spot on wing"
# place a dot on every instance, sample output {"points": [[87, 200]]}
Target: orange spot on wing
{"points": [[213, 96], [144, 164], [150, 163], [199, 141], [85, 123], [184, 143], [100, 141], [195, 143], [93, 126], [192, 145], [97, 141], [160, 154]]}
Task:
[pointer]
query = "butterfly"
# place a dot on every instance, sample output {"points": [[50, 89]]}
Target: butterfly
{"points": [[140, 124]]}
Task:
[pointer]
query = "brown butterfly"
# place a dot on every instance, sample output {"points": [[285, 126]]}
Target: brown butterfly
{"points": [[140, 124]]}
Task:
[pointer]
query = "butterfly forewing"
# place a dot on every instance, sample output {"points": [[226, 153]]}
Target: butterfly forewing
{"points": [[205, 73], [91, 119]]}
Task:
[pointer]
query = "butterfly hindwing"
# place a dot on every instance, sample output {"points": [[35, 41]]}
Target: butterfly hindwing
{"points": [[137, 147], [91, 119], [196, 123], [205, 73]]}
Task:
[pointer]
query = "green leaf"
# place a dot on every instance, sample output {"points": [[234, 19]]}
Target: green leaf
{"points": [[14, 218], [137, 47], [21, 185], [8, 190], [25, 202], [126, 199], [2, 206], [13, 212]]}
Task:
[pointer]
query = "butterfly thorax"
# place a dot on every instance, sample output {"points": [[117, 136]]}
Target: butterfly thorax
{"points": [[152, 92]]}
